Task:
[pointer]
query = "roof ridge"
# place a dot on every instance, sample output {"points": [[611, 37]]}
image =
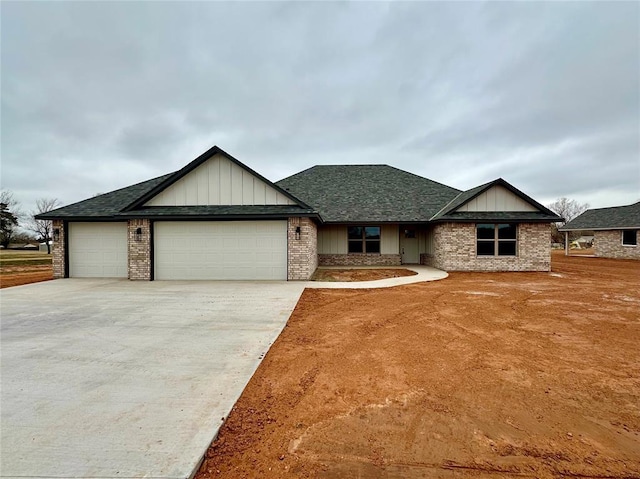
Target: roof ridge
{"points": [[425, 178], [610, 207]]}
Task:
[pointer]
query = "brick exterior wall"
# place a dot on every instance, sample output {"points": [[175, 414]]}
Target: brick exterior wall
{"points": [[360, 259], [608, 244], [455, 249], [58, 250], [139, 250], [302, 254]]}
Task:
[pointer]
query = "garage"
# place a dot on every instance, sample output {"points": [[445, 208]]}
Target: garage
{"points": [[220, 250], [98, 250]]}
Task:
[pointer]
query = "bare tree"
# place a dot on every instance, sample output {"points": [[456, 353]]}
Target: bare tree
{"points": [[9, 217], [568, 210], [43, 228]]}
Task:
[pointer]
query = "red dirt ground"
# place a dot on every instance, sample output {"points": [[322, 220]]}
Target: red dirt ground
{"points": [[360, 274], [484, 375], [19, 275]]}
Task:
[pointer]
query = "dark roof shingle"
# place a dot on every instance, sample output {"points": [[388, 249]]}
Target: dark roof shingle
{"points": [[617, 217], [368, 193], [106, 206]]}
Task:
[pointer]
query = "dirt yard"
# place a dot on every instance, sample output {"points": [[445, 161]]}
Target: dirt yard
{"points": [[360, 274], [483, 375], [24, 267]]}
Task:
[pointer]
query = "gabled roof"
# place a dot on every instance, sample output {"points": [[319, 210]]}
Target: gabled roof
{"points": [[215, 150], [368, 193], [128, 202], [617, 217], [449, 211]]}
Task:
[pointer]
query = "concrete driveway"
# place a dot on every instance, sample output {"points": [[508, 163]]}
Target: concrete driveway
{"points": [[111, 378]]}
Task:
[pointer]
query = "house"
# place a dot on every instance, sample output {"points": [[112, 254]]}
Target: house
{"points": [[216, 218], [615, 230], [25, 246]]}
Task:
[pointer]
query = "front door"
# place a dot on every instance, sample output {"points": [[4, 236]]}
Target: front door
{"points": [[409, 245]]}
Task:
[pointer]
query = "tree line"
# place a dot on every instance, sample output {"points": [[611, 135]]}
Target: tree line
{"points": [[16, 225]]}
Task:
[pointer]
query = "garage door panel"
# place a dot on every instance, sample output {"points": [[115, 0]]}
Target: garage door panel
{"points": [[221, 250], [98, 250]]}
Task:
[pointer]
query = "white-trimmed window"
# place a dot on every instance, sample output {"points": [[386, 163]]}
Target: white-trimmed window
{"points": [[629, 237], [496, 239]]}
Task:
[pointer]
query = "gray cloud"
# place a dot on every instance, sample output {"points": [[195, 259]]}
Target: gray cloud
{"points": [[97, 96]]}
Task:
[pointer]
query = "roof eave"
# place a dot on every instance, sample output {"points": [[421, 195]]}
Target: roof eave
{"points": [[608, 228]]}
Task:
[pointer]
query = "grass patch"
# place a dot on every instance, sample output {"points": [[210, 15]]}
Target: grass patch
{"points": [[24, 262], [23, 258]]}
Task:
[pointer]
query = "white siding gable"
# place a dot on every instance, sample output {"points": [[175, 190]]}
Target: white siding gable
{"points": [[497, 198], [219, 181]]}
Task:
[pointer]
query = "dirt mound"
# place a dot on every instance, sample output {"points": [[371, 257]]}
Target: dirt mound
{"points": [[360, 274]]}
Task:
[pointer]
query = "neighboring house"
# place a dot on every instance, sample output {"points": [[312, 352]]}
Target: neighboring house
{"points": [[615, 230], [218, 219], [28, 246]]}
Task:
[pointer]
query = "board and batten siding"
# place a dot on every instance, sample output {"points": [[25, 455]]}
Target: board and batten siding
{"points": [[426, 241], [390, 239], [497, 198], [332, 239], [219, 181]]}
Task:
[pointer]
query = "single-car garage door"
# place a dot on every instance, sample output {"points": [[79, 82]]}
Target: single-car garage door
{"points": [[220, 250], [97, 250]]}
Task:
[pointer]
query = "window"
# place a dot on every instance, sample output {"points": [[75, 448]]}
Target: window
{"points": [[629, 237], [364, 239], [496, 239]]}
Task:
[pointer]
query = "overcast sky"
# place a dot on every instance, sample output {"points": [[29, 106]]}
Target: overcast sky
{"points": [[97, 96]]}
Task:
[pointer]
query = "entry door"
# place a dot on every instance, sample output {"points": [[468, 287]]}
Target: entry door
{"points": [[409, 245]]}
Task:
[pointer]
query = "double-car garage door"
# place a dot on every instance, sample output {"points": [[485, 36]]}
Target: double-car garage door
{"points": [[220, 250], [204, 250]]}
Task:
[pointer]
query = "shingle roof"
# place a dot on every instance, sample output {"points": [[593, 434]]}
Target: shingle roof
{"points": [[368, 193], [106, 206], [331, 193], [618, 217]]}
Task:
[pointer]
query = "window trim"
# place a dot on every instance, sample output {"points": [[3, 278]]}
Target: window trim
{"points": [[628, 245], [363, 240], [497, 240]]}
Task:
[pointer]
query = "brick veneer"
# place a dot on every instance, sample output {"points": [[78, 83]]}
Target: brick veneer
{"points": [[302, 254], [361, 259], [139, 250], [608, 244], [58, 250], [455, 249]]}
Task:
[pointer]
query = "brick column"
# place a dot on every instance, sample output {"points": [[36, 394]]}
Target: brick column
{"points": [[57, 251], [302, 253], [139, 250]]}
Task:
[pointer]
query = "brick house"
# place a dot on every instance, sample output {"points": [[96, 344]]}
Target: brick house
{"points": [[216, 218], [615, 230]]}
